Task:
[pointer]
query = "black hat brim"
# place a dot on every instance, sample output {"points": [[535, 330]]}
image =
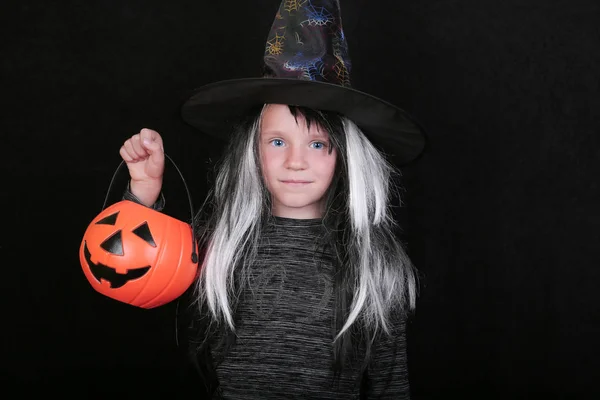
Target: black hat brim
{"points": [[213, 107]]}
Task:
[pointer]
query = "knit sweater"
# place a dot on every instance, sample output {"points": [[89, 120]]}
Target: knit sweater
{"points": [[284, 321]]}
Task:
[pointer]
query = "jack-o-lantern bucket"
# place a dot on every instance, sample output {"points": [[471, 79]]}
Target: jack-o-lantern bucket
{"points": [[137, 255]]}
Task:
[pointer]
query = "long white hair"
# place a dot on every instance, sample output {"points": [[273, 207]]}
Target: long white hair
{"points": [[374, 270]]}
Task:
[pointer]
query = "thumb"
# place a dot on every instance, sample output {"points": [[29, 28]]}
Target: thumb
{"points": [[155, 149]]}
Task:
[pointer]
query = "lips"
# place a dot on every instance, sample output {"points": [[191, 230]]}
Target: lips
{"points": [[295, 182]]}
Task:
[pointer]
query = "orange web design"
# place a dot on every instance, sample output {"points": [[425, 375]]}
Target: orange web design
{"points": [[275, 45], [293, 5], [341, 71]]}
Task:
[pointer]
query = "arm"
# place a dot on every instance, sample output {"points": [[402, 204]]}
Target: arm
{"points": [[388, 370], [159, 205]]}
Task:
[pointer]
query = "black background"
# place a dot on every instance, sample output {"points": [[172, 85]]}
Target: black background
{"points": [[501, 211]]}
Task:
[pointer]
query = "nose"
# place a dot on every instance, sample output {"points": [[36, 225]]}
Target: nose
{"points": [[295, 159]]}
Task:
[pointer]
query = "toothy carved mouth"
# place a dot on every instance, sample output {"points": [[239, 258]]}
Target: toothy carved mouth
{"points": [[116, 280]]}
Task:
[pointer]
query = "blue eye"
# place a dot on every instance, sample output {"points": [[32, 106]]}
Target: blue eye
{"points": [[317, 145], [277, 142]]}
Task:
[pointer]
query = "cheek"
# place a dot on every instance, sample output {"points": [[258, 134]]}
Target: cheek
{"points": [[327, 167], [267, 164]]}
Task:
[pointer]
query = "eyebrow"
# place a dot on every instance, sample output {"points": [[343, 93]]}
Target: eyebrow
{"points": [[320, 133]]}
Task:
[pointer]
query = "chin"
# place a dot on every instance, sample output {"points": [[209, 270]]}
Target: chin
{"points": [[300, 206], [297, 201]]}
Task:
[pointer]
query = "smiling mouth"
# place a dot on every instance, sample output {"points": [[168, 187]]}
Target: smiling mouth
{"points": [[296, 182], [103, 272]]}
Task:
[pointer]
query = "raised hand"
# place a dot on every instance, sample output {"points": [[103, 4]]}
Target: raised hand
{"points": [[145, 158]]}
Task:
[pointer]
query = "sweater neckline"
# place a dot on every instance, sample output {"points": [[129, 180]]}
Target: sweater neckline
{"points": [[293, 222]]}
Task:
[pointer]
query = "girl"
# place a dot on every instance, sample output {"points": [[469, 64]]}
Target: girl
{"points": [[304, 289]]}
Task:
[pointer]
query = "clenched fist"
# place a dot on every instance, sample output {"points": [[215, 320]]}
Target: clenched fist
{"points": [[145, 158]]}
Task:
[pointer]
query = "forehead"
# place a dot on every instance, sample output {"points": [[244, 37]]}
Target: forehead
{"points": [[277, 118]]}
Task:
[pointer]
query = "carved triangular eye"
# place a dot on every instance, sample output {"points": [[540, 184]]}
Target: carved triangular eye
{"points": [[143, 231], [114, 244], [110, 220]]}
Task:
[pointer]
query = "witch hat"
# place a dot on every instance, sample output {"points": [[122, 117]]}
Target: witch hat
{"points": [[306, 63]]}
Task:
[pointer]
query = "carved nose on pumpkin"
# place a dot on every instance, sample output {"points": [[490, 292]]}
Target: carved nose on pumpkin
{"points": [[114, 244]]}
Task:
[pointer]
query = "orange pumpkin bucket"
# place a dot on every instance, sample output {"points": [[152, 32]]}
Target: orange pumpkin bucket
{"points": [[139, 256]]}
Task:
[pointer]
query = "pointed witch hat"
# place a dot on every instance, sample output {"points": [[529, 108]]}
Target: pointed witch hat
{"points": [[306, 64]]}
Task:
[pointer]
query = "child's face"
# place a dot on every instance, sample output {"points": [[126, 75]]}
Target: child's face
{"points": [[296, 163]]}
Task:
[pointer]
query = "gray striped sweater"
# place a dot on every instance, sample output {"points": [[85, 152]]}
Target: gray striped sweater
{"points": [[283, 348]]}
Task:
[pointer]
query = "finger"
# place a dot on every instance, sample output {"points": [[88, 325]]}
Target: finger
{"points": [[153, 144], [151, 136], [157, 155], [125, 154], [146, 133], [138, 148], [128, 146], [152, 147]]}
